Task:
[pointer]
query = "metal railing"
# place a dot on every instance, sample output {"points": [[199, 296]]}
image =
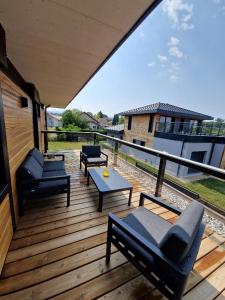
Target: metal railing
{"points": [[189, 128], [163, 156]]}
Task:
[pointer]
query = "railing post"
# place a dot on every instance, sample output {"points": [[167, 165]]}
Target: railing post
{"points": [[160, 177], [45, 142], [95, 139], [116, 147]]}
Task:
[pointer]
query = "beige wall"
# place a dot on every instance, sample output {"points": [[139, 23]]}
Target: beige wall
{"points": [[139, 129]]}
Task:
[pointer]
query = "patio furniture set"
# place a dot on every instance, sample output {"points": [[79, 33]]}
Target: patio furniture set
{"points": [[163, 252]]}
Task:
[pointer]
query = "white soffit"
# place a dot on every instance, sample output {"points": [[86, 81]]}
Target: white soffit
{"points": [[58, 45]]}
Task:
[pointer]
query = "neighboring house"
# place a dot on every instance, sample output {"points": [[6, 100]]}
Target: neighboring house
{"points": [[116, 131], [177, 131], [54, 120], [103, 122], [92, 122]]}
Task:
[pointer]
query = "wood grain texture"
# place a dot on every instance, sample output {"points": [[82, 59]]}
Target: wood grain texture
{"points": [[6, 230], [19, 130], [62, 256]]}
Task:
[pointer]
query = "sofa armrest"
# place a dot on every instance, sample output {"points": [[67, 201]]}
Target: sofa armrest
{"points": [[83, 156], [105, 155], [141, 241], [53, 155], [159, 201]]}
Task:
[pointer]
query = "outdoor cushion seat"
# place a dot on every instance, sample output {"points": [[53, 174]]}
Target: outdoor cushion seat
{"points": [[91, 156], [53, 165], [35, 177], [93, 160], [165, 253]]}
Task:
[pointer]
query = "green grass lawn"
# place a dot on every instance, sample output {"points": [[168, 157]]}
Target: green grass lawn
{"points": [[63, 145]]}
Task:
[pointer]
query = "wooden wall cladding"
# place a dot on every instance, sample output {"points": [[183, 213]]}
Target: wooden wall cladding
{"points": [[19, 130], [6, 229]]}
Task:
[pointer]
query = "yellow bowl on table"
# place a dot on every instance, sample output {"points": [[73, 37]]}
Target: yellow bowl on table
{"points": [[105, 172]]}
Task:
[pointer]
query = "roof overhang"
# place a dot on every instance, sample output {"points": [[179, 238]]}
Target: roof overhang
{"points": [[59, 45]]}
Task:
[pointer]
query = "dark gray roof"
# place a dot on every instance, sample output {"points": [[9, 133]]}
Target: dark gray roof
{"points": [[166, 109]]}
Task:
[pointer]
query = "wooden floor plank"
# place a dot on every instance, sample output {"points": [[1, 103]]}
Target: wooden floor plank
{"points": [[59, 252]]}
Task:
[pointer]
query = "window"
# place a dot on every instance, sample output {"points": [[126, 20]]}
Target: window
{"points": [[198, 156], [150, 125], [129, 122], [138, 142]]}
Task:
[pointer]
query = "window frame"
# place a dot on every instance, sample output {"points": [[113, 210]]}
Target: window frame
{"points": [[129, 125], [150, 124]]}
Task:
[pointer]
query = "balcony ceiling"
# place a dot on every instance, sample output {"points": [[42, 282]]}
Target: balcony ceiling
{"points": [[58, 45]]}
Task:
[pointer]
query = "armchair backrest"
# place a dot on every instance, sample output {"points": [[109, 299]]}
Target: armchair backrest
{"points": [[37, 155], [91, 150], [30, 169], [178, 241]]}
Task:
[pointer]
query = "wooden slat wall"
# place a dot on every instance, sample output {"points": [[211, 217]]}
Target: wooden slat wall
{"points": [[19, 130], [6, 229]]}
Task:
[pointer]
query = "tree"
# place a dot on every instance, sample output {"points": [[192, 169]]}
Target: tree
{"points": [[99, 115], [67, 118], [121, 120], [115, 120], [219, 121], [73, 118]]}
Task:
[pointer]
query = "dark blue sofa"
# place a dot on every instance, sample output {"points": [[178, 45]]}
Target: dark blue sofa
{"points": [[39, 177]]}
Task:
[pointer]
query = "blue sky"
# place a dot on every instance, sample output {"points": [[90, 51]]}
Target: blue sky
{"points": [[177, 56]]}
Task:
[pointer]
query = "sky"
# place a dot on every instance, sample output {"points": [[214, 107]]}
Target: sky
{"points": [[176, 56]]}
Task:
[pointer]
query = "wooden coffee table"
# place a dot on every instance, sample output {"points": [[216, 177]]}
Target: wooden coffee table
{"points": [[105, 185]]}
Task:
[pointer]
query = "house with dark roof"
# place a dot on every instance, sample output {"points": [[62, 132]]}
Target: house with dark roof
{"points": [[176, 130], [91, 121]]}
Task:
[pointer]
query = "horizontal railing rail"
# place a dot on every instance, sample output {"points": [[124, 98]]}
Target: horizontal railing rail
{"points": [[210, 170], [189, 128]]}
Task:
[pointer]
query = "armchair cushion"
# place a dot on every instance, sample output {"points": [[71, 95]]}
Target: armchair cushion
{"points": [[179, 238], [30, 169], [93, 160], [37, 155], [91, 150], [148, 224]]}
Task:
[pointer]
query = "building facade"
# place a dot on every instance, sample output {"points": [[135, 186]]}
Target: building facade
{"points": [[176, 130], [53, 120]]}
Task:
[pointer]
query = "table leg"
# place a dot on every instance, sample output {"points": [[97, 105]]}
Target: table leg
{"points": [[130, 196], [100, 202]]}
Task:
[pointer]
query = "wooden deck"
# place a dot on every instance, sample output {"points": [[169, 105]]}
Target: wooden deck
{"points": [[59, 252]]}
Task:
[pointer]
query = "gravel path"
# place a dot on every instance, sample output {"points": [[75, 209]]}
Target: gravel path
{"points": [[168, 194]]}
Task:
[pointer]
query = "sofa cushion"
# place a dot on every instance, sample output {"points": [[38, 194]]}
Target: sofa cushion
{"points": [[53, 173], [50, 187], [91, 150], [148, 224], [36, 154], [53, 165], [30, 169], [178, 240]]}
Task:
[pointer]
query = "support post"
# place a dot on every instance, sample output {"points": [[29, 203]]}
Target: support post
{"points": [[95, 139], [160, 177], [116, 147]]}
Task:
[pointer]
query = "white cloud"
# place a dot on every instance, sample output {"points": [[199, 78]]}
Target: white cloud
{"points": [[151, 64], [179, 12], [162, 58], [173, 41], [176, 52], [174, 77]]}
